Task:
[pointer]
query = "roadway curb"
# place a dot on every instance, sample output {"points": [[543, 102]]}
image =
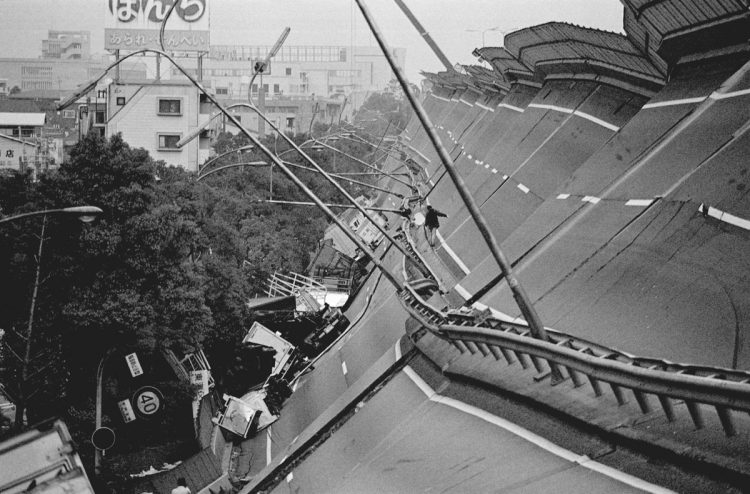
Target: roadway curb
{"points": [[322, 427], [615, 427]]}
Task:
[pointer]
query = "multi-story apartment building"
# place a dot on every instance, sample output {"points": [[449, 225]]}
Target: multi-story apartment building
{"points": [[67, 45], [155, 115]]}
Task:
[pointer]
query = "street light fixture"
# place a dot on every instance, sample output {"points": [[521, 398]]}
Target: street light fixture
{"points": [[497, 29], [260, 68], [483, 31], [317, 145], [231, 165], [329, 177], [213, 160], [265, 150], [519, 294], [85, 214]]}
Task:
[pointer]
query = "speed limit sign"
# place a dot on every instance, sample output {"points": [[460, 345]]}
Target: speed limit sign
{"points": [[148, 401]]}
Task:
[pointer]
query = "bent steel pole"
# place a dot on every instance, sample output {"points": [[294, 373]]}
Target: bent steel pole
{"points": [[345, 206], [363, 163], [423, 32], [269, 154], [192, 135], [216, 158], [337, 185], [98, 409], [232, 165], [350, 180], [203, 174], [519, 294]]}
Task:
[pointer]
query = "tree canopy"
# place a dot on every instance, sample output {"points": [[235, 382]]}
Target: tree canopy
{"points": [[171, 262]]}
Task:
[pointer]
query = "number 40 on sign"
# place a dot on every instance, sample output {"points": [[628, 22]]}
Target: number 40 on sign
{"points": [[148, 401]]}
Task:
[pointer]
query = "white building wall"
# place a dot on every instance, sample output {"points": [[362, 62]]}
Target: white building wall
{"points": [[140, 123], [14, 152]]}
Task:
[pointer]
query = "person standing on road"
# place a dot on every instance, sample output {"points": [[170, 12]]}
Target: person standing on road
{"points": [[431, 224], [182, 487]]}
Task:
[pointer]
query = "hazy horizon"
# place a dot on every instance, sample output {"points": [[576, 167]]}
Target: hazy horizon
{"points": [[24, 23]]}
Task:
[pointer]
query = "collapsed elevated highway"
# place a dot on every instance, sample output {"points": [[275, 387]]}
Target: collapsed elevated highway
{"points": [[613, 171]]}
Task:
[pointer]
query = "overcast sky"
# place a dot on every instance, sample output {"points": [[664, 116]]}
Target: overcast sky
{"points": [[24, 23]]}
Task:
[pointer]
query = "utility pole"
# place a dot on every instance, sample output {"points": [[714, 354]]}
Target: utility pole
{"points": [[519, 294], [261, 105], [428, 39], [26, 364], [258, 69]]}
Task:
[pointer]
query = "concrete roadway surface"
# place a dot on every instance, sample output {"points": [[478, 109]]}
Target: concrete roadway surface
{"points": [[623, 252], [419, 433], [377, 318]]}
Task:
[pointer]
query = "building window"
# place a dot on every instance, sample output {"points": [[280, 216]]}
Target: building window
{"points": [[265, 88], [169, 106], [288, 71], [276, 89], [100, 116], [69, 114], [255, 88], [289, 122], [222, 90], [120, 100], [168, 142]]}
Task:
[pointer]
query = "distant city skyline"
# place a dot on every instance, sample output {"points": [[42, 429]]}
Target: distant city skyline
{"points": [[458, 27]]}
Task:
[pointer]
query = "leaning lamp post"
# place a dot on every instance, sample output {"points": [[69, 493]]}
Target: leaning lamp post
{"points": [[317, 168], [261, 147], [85, 214], [519, 294]]}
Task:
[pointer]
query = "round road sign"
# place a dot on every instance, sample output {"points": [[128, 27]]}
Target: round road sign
{"points": [[148, 401], [103, 438]]}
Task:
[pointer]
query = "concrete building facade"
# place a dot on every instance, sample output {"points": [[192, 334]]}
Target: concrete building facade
{"points": [[67, 45], [60, 74], [17, 154], [155, 115], [297, 71]]}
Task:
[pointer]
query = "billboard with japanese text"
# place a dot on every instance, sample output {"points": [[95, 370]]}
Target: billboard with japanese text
{"points": [[134, 24]]}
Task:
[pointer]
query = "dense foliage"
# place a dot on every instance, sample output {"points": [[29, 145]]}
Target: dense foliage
{"points": [[171, 262], [385, 112]]}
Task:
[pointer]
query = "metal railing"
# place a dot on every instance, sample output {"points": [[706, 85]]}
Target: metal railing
{"points": [[483, 334], [280, 285]]}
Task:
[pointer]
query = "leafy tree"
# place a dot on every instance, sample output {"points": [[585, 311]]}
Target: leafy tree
{"points": [[384, 111], [169, 263]]}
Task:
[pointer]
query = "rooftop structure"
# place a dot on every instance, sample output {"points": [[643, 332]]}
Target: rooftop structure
{"points": [[67, 45], [42, 460]]}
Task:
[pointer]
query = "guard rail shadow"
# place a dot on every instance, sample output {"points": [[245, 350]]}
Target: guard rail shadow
{"points": [[584, 362]]}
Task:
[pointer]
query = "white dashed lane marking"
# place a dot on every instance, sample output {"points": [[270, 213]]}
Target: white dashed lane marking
{"points": [[725, 217]]}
